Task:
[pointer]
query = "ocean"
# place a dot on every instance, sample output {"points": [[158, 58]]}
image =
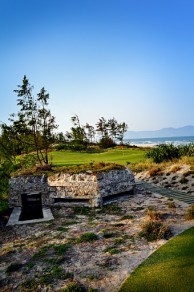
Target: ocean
{"points": [[162, 140]]}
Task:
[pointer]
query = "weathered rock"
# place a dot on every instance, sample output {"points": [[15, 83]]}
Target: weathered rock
{"points": [[61, 187]]}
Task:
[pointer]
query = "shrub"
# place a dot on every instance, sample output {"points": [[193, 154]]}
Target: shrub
{"points": [[61, 146], [106, 142], [28, 160], [186, 150], [72, 147], [94, 149], [154, 230], [166, 152], [163, 152]]}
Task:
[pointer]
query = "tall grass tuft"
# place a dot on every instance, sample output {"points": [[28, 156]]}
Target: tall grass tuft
{"points": [[155, 230], [190, 213]]}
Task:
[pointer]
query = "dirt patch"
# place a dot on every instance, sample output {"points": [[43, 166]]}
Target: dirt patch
{"points": [[50, 256]]}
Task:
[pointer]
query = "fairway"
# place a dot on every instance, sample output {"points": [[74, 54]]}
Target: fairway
{"points": [[171, 268], [120, 156]]}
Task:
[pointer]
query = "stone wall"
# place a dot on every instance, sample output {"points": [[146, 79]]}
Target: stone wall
{"points": [[83, 186]]}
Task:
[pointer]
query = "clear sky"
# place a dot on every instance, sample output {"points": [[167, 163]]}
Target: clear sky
{"points": [[131, 59]]}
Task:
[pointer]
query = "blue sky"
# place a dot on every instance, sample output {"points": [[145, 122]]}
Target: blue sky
{"points": [[131, 59]]}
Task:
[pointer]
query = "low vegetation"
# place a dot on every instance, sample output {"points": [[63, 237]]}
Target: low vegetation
{"points": [[190, 213], [155, 230], [166, 152], [87, 237], [73, 169], [153, 214]]}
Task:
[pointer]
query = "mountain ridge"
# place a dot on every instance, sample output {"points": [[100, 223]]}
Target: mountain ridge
{"points": [[184, 131]]}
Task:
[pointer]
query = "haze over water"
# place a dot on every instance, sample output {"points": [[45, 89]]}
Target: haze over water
{"points": [[161, 140]]}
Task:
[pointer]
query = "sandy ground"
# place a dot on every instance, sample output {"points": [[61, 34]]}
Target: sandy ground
{"points": [[102, 264]]}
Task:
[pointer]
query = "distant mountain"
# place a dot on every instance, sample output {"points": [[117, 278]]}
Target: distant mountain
{"points": [[165, 132]]}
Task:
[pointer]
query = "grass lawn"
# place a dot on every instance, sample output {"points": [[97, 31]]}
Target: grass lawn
{"points": [[132, 155], [171, 268]]}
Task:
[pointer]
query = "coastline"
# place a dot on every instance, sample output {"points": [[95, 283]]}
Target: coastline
{"points": [[145, 145], [151, 142]]}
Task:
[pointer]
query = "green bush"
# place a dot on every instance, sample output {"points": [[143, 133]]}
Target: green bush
{"points": [[186, 150], [166, 152], [72, 147], [106, 142], [163, 152]]}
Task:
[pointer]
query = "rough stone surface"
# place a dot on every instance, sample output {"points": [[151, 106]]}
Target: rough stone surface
{"points": [[84, 186]]}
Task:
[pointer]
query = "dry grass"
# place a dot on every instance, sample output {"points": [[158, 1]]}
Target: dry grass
{"points": [[190, 213], [155, 170], [155, 230], [97, 167], [153, 214], [175, 168]]}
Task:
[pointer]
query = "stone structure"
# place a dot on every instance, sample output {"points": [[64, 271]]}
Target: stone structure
{"points": [[84, 188]]}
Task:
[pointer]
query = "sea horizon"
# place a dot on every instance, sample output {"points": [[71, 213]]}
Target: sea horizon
{"points": [[179, 140]]}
